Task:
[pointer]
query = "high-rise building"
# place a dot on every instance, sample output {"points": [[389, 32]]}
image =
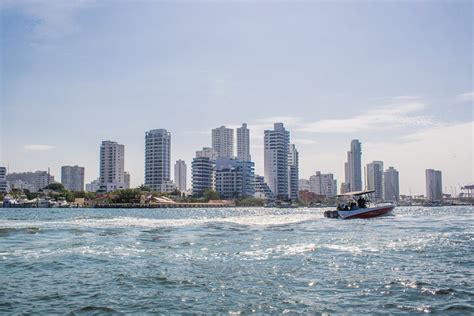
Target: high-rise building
{"points": [[276, 148], [293, 173], [374, 180], [112, 160], [434, 185], [126, 176], [391, 185], [243, 143], [157, 158], [234, 178], [207, 152], [323, 184], [72, 177], [353, 167], [223, 141], [3, 179], [180, 175], [202, 175]]}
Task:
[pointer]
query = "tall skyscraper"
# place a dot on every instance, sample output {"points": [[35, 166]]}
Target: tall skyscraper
{"points": [[112, 160], [72, 177], [180, 175], [353, 169], [3, 179], [157, 158], [323, 184], [223, 141], [391, 185], [243, 143], [374, 179], [293, 173], [276, 148], [434, 185]]}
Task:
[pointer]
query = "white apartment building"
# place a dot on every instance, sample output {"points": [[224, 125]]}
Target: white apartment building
{"points": [[276, 154], [293, 173], [207, 152], [323, 184], [223, 141], [157, 158], [391, 185], [112, 160], [93, 186], [243, 143], [374, 179], [180, 175], [353, 167]]}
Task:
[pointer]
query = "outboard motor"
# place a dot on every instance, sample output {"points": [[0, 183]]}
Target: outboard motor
{"points": [[331, 214]]}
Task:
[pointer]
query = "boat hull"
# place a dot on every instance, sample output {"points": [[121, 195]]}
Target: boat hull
{"points": [[367, 212]]}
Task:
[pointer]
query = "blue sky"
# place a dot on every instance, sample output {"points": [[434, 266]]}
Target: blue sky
{"points": [[397, 75]]}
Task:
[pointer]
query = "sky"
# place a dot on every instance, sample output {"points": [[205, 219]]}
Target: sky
{"points": [[397, 75]]}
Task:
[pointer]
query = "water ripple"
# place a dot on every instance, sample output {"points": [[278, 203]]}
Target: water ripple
{"points": [[235, 261]]}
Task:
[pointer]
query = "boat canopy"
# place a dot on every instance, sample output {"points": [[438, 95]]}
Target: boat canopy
{"points": [[356, 193]]}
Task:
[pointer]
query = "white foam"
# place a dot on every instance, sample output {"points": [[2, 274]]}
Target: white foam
{"points": [[126, 221]]}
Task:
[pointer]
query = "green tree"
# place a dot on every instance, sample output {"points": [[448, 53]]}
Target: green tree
{"points": [[56, 186], [30, 195], [79, 194], [126, 196], [144, 188], [16, 193], [210, 194], [90, 196]]}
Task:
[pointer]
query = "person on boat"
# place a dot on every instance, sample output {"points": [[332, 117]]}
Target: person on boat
{"points": [[361, 202]]}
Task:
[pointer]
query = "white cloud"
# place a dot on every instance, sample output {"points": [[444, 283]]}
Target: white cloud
{"points": [[392, 116], [466, 97], [38, 147]]}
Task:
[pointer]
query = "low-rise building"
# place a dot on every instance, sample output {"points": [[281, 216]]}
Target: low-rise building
{"points": [[234, 178], [167, 186], [262, 190]]}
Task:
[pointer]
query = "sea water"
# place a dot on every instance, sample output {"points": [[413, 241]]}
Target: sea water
{"points": [[235, 260]]}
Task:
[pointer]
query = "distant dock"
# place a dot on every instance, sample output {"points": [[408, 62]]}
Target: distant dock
{"points": [[164, 205]]}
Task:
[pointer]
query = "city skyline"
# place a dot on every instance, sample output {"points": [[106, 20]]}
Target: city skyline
{"points": [[327, 91]]}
